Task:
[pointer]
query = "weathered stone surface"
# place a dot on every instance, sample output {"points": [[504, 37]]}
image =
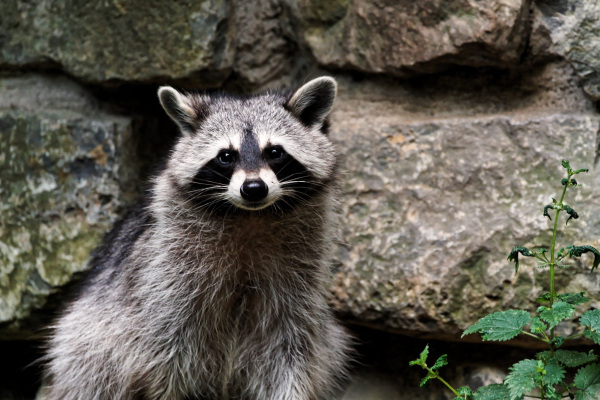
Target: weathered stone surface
{"points": [[432, 207], [469, 92], [264, 45], [120, 40], [64, 177], [570, 29], [390, 36]]}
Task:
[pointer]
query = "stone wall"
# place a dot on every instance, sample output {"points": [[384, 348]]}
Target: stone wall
{"points": [[451, 121]]}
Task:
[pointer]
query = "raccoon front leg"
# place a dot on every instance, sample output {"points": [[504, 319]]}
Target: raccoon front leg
{"points": [[298, 364], [283, 380]]}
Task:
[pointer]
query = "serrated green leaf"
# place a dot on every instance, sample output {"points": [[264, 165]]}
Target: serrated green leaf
{"points": [[544, 298], [590, 393], [554, 373], [574, 298], [492, 392], [422, 360], [440, 362], [514, 255], [426, 379], [572, 213], [564, 181], [522, 378], [587, 376], [546, 208], [546, 357], [559, 312], [566, 164], [591, 319], [501, 325], [542, 251], [580, 171], [562, 252], [594, 336], [572, 359], [537, 325], [464, 391], [577, 251], [550, 393]]}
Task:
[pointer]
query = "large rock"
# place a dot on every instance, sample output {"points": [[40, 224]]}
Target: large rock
{"points": [[392, 36], [130, 40], [570, 29], [67, 168], [198, 43], [265, 50], [433, 205]]}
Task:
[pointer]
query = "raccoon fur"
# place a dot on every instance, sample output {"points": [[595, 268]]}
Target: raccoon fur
{"points": [[215, 287]]}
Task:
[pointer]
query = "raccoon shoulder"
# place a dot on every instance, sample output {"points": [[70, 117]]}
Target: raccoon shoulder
{"points": [[118, 243]]}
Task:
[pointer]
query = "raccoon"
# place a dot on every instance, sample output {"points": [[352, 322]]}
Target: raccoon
{"points": [[215, 287]]}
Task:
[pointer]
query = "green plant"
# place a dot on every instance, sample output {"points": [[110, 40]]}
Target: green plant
{"points": [[548, 372]]}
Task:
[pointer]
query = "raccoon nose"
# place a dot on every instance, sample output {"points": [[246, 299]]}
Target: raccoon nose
{"points": [[254, 190]]}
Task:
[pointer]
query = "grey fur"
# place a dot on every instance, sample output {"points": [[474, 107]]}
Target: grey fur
{"points": [[187, 301]]}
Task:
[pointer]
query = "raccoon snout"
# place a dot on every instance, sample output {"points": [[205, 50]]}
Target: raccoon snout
{"points": [[254, 190]]}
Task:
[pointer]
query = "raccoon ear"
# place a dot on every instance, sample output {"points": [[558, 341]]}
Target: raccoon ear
{"points": [[182, 109], [312, 103]]}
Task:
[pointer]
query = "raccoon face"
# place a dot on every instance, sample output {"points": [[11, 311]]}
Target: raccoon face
{"points": [[265, 152]]}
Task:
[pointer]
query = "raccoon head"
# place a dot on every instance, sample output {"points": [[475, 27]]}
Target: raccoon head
{"points": [[263, 152]]}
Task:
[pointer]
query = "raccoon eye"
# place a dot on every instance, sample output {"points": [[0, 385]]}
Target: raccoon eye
{"points": [[226, 157], [275, 153]]}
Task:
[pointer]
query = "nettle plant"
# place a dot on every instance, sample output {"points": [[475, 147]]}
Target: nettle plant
{"points": [[546, 376]]}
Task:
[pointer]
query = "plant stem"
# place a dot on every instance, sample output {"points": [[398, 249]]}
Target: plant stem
{"points": [[448, 385], [437, 376], [552, 247], [534, 336], [552, 258], [574, 336]]}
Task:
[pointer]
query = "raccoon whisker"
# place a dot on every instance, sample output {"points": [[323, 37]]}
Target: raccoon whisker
{"points": [[231, 207], [285, 201], [209, 191], [207, 204], [227, 212], [202, 204], [212, 182], [193, 194], [308, 184], [212, 187], [296, 175], [300, 190], [283, 167], [277, 208], [300, 198], [303, 179]]}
